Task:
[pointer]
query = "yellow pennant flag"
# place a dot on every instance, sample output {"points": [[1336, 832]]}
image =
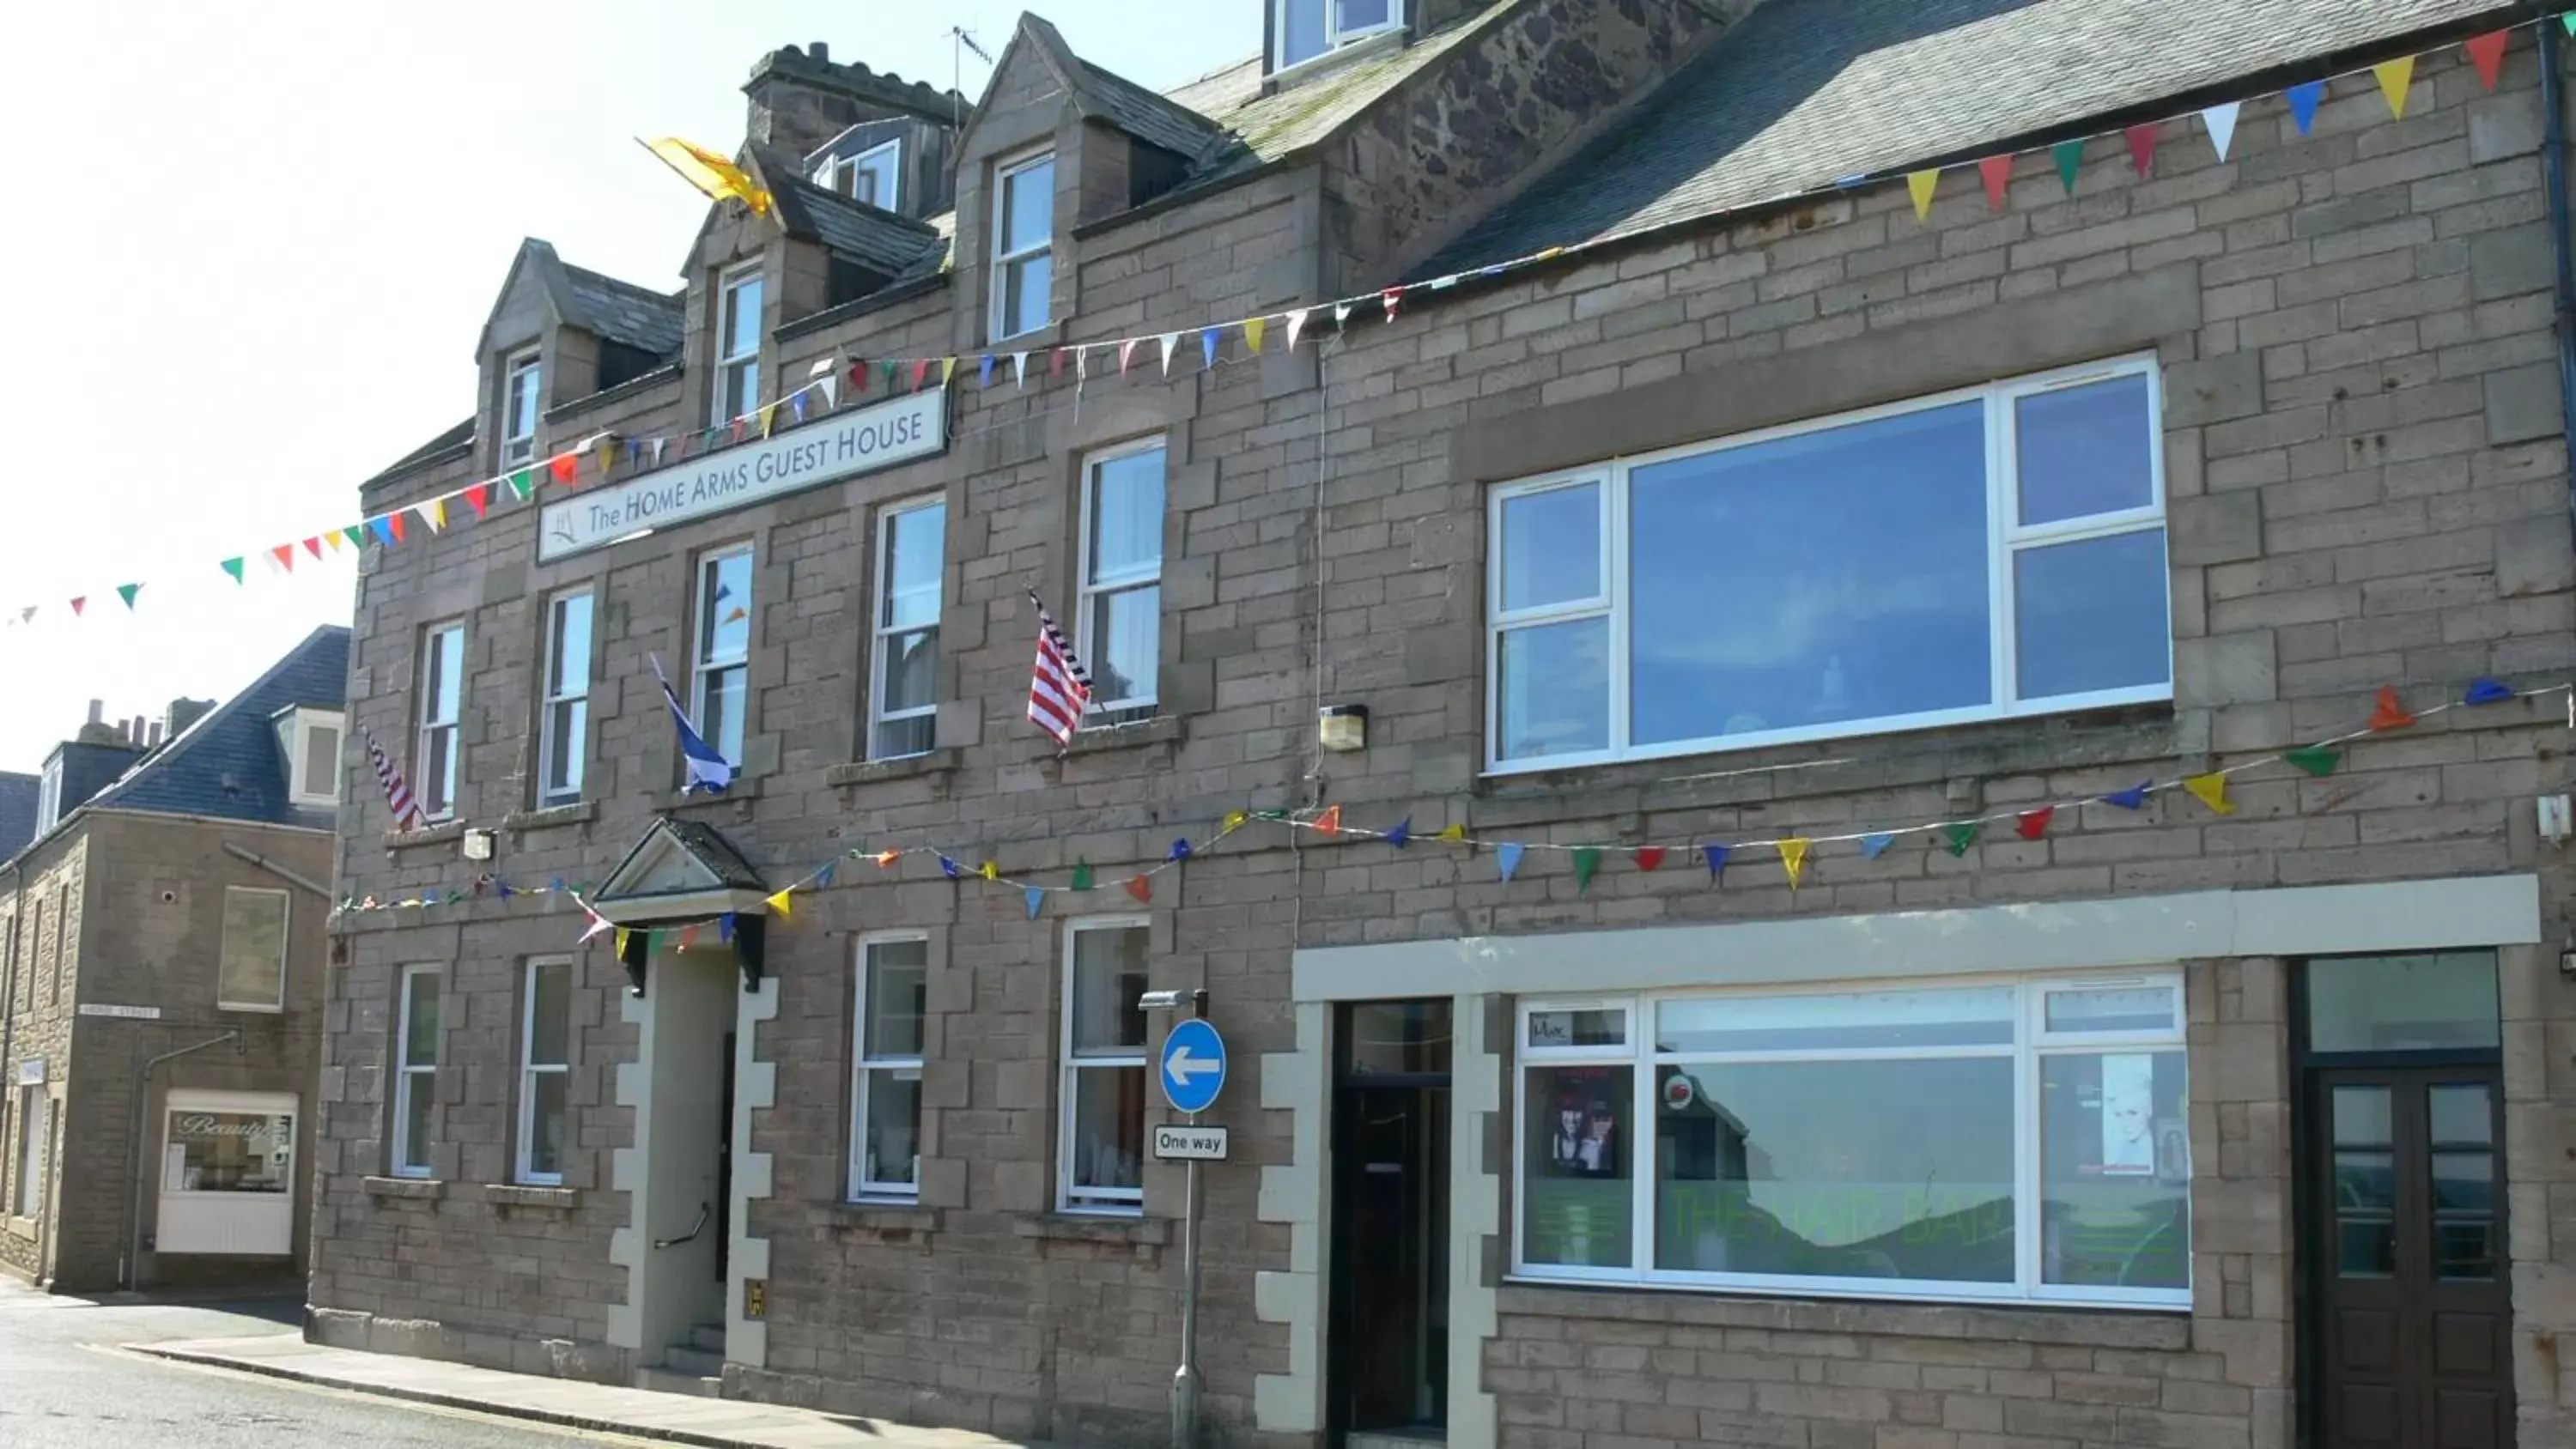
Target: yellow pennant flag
{"points": [[947, 371], [2211, 790], [1921, 183], [779, 903], [621, 943], [1253, 329], [990, 870], [719, 178], [332, 537], [1793, 858], [768, 419], [1453, 833], [1234, 821], [2396, 78]]}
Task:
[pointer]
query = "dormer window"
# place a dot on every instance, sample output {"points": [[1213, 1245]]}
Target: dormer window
{"points": [[1311, 28], [519, 394], [868, 177], [738, 347], [1023, 244], [309, 739], [49, 796]]}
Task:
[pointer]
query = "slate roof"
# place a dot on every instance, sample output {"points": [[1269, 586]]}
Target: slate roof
{"points": [[623, 312], [1156, 120], [1805, 92], [459, 436], [875, 238], [227, 765], [18, 794]]}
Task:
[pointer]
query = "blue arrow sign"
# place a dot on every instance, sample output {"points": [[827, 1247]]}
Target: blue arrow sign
{"points": [[1193, 1066]]}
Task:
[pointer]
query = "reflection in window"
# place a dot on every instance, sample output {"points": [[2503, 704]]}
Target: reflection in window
{"points": [[2403, 1003], [2115, 1169], [1103, 1131], [1577, 1174], [229, 1152]]}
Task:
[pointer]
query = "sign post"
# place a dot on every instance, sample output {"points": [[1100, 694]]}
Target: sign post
{"points": [[1193, 1072]]}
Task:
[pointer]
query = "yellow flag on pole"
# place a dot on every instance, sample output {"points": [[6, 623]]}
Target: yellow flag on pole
{"points": [[719, 178]]}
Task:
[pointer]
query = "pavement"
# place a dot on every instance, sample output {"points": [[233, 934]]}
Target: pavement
{"points": [[132, 1373]]}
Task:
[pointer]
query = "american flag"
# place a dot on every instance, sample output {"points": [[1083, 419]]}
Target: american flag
{"points": [[1059, 688], [397, 794]]}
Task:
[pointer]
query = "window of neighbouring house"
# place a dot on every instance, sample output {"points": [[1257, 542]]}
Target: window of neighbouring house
{"points": [[309, 740], [563, 729], [912, 554], [1310, 28], [1979, 555], [521, 397], [442, 712], [885, 1108], [32, 1124], [49, 796], [720, 678], [1119, 623], [1101, 1151], [870, 177], [1023, 245], [252, 976], [545, 1070], [415, 1069], [2014, 1139], [227, 1173], [737, 346]]}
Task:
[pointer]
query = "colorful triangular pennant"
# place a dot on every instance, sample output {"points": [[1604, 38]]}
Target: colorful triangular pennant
{"points": [[2142, 147], [2389, 714], [1141, 887], [1957, 837], [1996, 172], [2220, 121], [1508, 856], [2210, 790], [1649, 856], [1793, 858], [2487, 691], [779, 902], [1874, 846], [1587, 859], [1921, 185], [2318, 760], [2133, 798], [2396, 79], [2304, 98], [2069, 156], [2486, 52], [2033, 824]]}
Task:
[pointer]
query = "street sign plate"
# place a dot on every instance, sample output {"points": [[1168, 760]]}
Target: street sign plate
{"points": [[1182, 1144], [125, 1013], [1193, 1066]]}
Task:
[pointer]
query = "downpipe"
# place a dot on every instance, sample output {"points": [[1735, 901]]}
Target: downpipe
{"points": [[2553, 165]]}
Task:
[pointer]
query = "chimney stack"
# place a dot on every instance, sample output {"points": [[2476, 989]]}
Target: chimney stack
{"points": [[182, 713], [97, 710]]}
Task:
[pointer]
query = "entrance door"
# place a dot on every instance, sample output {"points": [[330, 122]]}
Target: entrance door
{"points": [[1389, 1343], [2413, 1306]]}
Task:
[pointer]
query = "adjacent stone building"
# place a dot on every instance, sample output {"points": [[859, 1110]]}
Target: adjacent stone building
{"points": [[161, 962], [1940, 827]]}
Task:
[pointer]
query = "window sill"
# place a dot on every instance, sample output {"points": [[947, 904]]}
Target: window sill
{"points": [[416, 1189], [444, 832], [542, 1199], [1130, 1229], [22, 1228], [888, 1216], [1162, 729], [742, 792], [2160, 1326], [579, 812], [248, 1009], [907, 767]]}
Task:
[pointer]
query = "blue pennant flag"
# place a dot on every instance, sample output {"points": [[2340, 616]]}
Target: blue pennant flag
{"points": [[2304, 99], [2487, 691], [1037, 901], [949, 868], [1715, 855], [984, 374], [384, 528], [1180, 850], [1402, 833], [1875, 846], [800, 407], [1207, 346], [1509, 858], [708, 770], [824, 876], [2133, 798], [556, 885], [724, 927], [502, 889]]}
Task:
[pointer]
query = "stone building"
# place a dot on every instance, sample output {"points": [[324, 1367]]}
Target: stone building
{"points": [[161, 961], [1811, 1011]]}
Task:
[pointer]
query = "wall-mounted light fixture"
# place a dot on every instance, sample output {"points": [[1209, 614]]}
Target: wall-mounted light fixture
{"points": [[1344, 727]]}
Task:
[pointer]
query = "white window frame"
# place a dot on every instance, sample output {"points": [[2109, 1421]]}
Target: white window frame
{"points": [[410, 1076], [1335, 37], [706, 668], [881, 634], [565, 682], [519, 446], [1107, 1201], [883, 161], [301, 790], [530, 1068], [728, 287], [285, 948], [433, 725], [35, 1149], [2006, 539], [49, 796], [2031, 1045], [863, 1067], [1004, 261], [1105, 712]]}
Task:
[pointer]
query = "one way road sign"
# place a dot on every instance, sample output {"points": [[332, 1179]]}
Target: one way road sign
{"points": [[1193, 1066]]}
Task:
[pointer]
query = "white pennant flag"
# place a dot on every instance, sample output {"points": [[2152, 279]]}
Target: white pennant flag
{"points": [[2221, 121], [831, 386], [1081, 366], [1296, 324], [433, 513], [1169, 340], [657, 451], [1020, 369], [1341, 313]]}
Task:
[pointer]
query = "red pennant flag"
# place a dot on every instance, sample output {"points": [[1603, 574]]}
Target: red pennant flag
{"points": [[2487, 53], [920, 372], [688, 937], [1141, 888], [1330, 822], [563, 466], [1392, 296], [1649, 856], [79, 604], [396, 519], [1055, 364], [2142, 146], [313, 545], [2034, 823], [284, 553], [1997, 171], [480, 495], [739, 424], [2390, 715], [858, 376]]}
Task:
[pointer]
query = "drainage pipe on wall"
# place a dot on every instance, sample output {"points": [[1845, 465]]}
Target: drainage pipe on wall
{"points": [[2553, 165]]}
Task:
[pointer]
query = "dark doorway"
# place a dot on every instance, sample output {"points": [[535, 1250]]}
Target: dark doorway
{"points": [[1389, 1341], [2407, 1327]]}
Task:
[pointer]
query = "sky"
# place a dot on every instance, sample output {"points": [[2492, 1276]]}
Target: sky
{"points": [[254, 268]]}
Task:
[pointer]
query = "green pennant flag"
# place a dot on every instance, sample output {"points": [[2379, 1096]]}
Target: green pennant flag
{"points": [[887, 370], [1957, 838], [521, 483], [356, 534], [233, 566], [2318, 760], [1082, 875], [1269, 814], [2569, 20], [127, 593], [2070, 159], [1587, 859]]}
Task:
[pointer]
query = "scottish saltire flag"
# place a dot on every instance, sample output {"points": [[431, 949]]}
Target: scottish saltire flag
{"points": [[397, 790], [1059, 688], [708, 770]]}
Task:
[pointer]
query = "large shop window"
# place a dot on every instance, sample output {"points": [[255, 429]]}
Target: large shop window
{"points": [[415, 1069], [1101, 1153], [2000, 1140], [227, 1174], [1978, 555], [885, 1115]]}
